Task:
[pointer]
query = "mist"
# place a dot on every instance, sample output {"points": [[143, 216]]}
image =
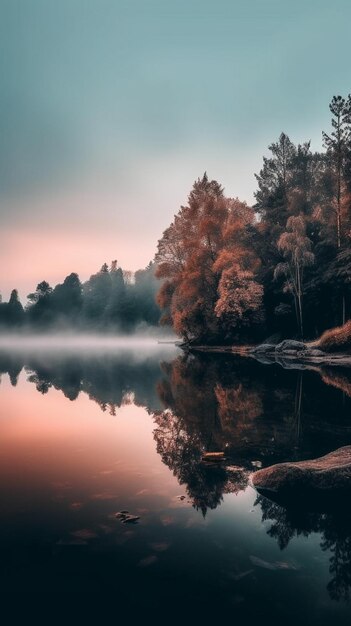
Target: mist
{"points": [[113, 301], [142, 342]]}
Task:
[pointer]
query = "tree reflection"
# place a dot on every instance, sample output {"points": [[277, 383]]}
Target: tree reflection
{"points": [[217, 403], [257, 415], [181, 450], [334, 528], [11, 364], [254, 412], [110, 380]]}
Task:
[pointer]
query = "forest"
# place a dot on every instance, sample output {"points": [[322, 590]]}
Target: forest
{"points": [[282, 267], [111, 300], [224, 271]]}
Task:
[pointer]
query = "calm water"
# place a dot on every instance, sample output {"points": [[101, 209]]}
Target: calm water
{"points": [[86, 434]]}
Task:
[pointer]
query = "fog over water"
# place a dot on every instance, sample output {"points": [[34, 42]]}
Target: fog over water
{"points": [[142, 342]]}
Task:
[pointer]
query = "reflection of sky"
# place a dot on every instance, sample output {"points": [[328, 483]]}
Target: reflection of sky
{"points": [[51, 443], [110, 110]]}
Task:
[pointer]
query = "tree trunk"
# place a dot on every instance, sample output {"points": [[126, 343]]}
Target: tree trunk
{"points": [[299, 299], [300, 317], [338, 208], [338, 222]]}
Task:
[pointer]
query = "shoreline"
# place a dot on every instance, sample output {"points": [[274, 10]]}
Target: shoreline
{"points": [[335, 359]]}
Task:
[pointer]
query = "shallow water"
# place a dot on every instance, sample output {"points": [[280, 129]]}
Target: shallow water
{"points": [[85, 434]]}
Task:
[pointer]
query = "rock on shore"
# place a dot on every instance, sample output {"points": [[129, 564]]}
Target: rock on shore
{"points": [[288, 347]]}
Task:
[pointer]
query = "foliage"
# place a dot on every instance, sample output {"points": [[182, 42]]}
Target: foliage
{"points": [[336, 339], [207, 266]]}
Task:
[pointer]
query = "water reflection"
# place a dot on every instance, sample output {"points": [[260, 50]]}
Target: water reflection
{"points": [[181, 447], [334, 528], [256, 414], [108, 379]]}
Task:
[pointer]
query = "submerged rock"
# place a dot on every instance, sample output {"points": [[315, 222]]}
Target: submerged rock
{"points": [[122, 514], [130, 519], [329, 474], [127, 518], [275, 565]]}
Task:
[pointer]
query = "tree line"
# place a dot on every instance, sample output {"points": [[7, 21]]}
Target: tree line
{"points": [[233, 272], [225, 271], [111, 299]]}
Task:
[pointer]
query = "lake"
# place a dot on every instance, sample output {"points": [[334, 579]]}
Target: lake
{"points": [[88, 432]]}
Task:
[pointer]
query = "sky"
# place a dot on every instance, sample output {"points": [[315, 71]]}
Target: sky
{"points": [[110, 109]]}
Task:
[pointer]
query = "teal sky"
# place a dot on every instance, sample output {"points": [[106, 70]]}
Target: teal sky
{"points": [[110, 109]]}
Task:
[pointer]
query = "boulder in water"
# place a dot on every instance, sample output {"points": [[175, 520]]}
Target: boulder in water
{"points": [[329, 474]]}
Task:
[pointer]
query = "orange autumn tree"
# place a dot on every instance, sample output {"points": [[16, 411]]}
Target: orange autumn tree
{"points": [[208, 266]]}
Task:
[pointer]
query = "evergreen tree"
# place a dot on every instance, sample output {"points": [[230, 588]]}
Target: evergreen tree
{"points": [[15, 310], [337, 144]]}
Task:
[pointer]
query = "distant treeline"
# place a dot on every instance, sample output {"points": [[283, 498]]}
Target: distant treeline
{"points": [[237, 273], [110, 299]]}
